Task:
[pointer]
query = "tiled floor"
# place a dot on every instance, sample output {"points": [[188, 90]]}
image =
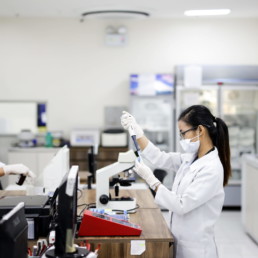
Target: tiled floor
{"points": [[231, 239]]}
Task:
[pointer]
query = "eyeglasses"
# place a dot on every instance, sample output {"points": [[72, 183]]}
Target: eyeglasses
{"points": [[182, 134]]}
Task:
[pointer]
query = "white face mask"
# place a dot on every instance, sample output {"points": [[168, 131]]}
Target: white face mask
{"points": [[190, 147]]}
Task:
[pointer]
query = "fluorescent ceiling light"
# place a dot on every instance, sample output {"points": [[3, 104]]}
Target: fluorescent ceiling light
{"points": [[207, 12]]}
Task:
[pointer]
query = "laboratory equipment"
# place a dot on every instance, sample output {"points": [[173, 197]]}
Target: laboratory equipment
{"points": [[55, 170], [113, 214], [67, 218], [113, 138], [98, 224], [103, 197], [21, 180], [26, 138], [13, 233], [48, 139], [37, 212], [133, 136], [57, 138], [85, 137], [113, 135]]}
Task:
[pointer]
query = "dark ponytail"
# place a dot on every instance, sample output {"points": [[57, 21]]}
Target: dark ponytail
{"points": [[200, 115], [222, 144]]}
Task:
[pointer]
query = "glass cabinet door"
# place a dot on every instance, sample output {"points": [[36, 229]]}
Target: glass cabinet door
{"points": [[155, 115], [239, 110], [186, 97], [205, 95]]}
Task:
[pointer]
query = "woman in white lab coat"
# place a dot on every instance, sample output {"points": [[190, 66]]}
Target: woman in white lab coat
{"points": [[197, 194]]}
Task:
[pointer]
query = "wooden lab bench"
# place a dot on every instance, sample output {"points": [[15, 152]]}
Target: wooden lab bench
{"points": [[159, 240]]}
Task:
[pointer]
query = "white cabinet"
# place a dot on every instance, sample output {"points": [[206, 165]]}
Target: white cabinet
{"points": [[250, 195], [34, 158]]}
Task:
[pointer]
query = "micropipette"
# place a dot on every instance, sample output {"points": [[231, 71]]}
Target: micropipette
{"points": [[133, 136]]}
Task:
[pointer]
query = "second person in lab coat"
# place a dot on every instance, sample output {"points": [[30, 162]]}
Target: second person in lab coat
{"points": [[197, 194]]}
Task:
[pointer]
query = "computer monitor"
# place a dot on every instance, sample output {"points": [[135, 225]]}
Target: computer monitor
{"points": [[13, 233], [56, 169], [67, 218]]}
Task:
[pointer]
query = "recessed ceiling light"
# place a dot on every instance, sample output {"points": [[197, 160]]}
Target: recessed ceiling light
{"points": [[126, 14], [207, 12]]}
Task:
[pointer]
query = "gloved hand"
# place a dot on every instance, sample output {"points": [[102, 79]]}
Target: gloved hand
{"points": [[18, 169], [146, 173], [128, 120]]}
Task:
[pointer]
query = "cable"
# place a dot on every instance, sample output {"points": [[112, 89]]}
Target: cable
{"points": [[81, 204], [137, 207], [81, 193], [91, 204], [133, 209], [80, 214], [87, 206]]}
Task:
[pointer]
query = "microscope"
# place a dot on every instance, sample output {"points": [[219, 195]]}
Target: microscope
{"points": [[103, 198]]}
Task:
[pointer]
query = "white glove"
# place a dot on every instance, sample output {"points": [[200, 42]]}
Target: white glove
{"points": [[128, 120], [146, 173], [18, 169]]}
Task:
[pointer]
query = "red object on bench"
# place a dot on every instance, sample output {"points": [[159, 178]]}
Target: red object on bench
{"points": [[96, 224]]}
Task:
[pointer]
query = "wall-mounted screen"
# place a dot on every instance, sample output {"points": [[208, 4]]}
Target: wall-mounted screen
{"points": [[19, 115], [151, 84]]}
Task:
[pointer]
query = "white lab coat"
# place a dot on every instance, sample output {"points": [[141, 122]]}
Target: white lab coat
{"points": [[195, 201]]}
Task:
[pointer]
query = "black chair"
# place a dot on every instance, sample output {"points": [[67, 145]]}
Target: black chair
{"points": [[160, 174]]}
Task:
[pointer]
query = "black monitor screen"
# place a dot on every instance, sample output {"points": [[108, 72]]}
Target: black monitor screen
{"points": [[14, 233], [67, 213]]}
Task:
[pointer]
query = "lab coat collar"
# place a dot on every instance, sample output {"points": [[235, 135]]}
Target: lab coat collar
{"points": [[205, 159], [188, 157]]}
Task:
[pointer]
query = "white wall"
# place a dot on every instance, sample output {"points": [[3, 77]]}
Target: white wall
{"points": [[66, 62]]}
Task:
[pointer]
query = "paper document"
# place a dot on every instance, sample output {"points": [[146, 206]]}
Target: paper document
{"points": [[137, 247]]}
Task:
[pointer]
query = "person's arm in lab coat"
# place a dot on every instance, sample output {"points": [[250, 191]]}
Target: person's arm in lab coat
{"points": [[160, 159], [15, 169], [205, 186], [156, 157]]}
